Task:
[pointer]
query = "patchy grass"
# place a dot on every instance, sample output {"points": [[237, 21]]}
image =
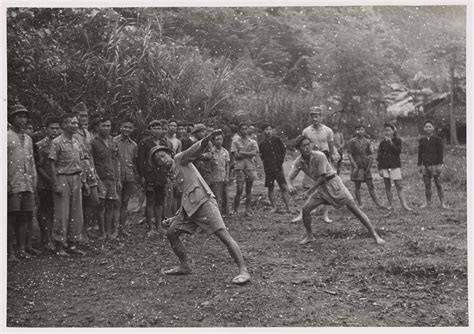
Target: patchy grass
{"points": [[418, 278]]}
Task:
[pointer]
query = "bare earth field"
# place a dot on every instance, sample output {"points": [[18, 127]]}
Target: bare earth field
{"points": [[419, 278]]}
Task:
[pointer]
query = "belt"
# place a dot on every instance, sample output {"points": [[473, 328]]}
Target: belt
{"points": [[330, 177], [75, 173]]}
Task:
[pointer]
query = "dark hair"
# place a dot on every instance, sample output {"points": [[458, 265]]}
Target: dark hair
{"points": [[51, 120], [299, 140], [65, 117], [154, 123], [266, 125], [180, 124], [428, 121], [163, 122], [243, 124], [171, 120], [103, 119], [391, 126], [358, 126], [234, 128], [127, 120]]}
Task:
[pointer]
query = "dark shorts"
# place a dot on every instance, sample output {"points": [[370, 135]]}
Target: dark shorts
{"points": [[46, 198], [24, 201], [155, 194], [270, 178], [246, 175], [108, 189], [207, 217]]}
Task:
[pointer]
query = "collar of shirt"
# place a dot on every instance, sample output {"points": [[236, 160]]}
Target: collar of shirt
{"points": [[66, 139], [121, 137]]}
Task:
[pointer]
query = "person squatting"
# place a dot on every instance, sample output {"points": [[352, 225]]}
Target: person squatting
{"points": [[76, 179]]}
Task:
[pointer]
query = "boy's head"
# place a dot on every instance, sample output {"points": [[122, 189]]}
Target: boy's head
{"points": [[199, 131], [360, 130], [51, 124], [429, 127], [303, 144], [29, 129], [155, 128], [243, 129], [267, 130], [127, 126], [389, 130], [82, 114], [218, 140], [161, 156], [180, 129], [18, 116], [164, 125], [315, 113], [104, 126], [251, 130], [69, 124], [172, 126]]}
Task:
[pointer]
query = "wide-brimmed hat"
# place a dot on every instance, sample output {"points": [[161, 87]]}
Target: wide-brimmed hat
{"points": [[16, 109], [157, 149]]}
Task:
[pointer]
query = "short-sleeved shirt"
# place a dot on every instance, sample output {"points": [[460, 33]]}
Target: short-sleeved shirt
{"points": [[245, 145], [220, 158], [128, 152], [106, 156], [319, 137], [360, 150], [21, 163], [43, 148], [67, 155], [272, 152], [317, 166]]}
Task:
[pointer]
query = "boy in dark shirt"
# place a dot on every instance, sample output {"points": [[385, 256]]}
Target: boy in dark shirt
{"points": [[153, 180], [430, 160], [272, 151]]}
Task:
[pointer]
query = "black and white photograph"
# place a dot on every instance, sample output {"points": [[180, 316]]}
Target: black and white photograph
{"points": [[175, 165]]}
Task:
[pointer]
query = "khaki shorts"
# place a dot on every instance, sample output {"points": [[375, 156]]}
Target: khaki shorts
{"points": [[242, 175], [207, 217], [108, 189], [392, 173], [24, 201]]}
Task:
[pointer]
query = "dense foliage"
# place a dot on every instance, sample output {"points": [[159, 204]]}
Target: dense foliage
{"points": [[225, 64]]}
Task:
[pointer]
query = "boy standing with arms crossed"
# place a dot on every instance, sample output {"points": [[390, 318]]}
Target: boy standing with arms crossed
{"points": [[220, 164]]}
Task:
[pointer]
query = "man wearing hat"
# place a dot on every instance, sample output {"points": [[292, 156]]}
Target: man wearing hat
{"points": [[21, 180], [198, 206], [153, 180], [322, 139]]}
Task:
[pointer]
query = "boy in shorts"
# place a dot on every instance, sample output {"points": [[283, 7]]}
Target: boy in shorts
{"points": [[153, 180], [128, 151], [220, 163], [198, 206], [430, 161], [272, 151], [361, 158], [328, 188], [105, 152], [244, 150]]}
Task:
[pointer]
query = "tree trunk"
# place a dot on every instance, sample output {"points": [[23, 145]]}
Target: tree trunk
{"points": [[452, 118]]}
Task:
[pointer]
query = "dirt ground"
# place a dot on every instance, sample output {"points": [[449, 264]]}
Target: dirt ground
{"points": [[419, 278]]}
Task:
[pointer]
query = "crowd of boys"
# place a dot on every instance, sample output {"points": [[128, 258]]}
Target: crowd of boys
{"points": [[72, 181]]}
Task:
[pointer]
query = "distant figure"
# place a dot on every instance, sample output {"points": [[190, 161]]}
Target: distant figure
{"points": [[389, 165], [361, 157], [272, 151], [430, 161], [339, 144]]}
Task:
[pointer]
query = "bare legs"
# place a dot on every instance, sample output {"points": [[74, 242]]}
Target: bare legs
{"points": [[401, 193], [428, 192]]}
